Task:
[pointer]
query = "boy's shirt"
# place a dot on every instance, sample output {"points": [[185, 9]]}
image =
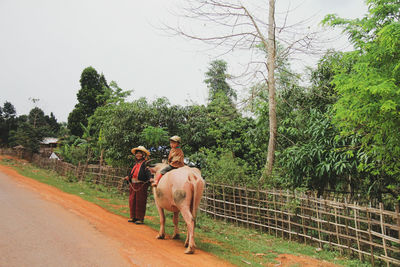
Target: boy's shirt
{"points": [[175, 158]]}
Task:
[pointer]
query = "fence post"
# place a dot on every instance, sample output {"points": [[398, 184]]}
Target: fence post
{"points": [[316, 200], [328, 220], [206, 197], [267, 207], [370, 237], [234, 201], [398, 217], [241, 206], [356, 229], [247, 206], [303, 214], [337, 228], [223, 198], [260, 220], [347, 225], [288, 211], [281, 212], [382, 220], [275, 213], [215, 209]]}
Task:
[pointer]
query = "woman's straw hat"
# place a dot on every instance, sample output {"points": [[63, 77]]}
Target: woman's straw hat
{"points": [[175, 138], [140, 148]]}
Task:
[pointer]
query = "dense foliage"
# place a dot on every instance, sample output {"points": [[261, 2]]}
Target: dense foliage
{"points": [[369, 89]]}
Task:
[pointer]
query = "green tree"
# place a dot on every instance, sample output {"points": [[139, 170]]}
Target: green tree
{"points": [[75, 119], [312, 153], [113, 94], [227, 131], [32, 128], [156, 140], [8, 122], [93, 86], [8, 110], [216, 77], [322, 92], [163, 114], [27, 136], [221, 109], [54, 126], [37, 118], [320, 159], [194, 128], [121, 126], [369, 102], [220, 112]]}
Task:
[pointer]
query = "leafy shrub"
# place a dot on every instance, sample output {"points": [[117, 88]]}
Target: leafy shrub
{"points": [[222, 167]]}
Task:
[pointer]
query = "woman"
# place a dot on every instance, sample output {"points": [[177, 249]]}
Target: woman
{"points": [[138, 180]]}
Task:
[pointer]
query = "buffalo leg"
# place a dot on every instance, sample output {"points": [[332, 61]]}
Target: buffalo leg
{"points": [[161, 233], [175, 219], [187, 216]]}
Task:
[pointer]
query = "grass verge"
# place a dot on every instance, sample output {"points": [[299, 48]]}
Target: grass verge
{"points": [[238, 245]]}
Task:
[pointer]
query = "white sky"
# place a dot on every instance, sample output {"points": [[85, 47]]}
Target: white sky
{"points": [[46, 44]]}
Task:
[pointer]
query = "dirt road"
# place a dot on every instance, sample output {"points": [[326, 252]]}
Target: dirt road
{"points": [[43, 226]]}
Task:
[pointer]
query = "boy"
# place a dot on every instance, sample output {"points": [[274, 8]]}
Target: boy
{"points": [[175, 158]]}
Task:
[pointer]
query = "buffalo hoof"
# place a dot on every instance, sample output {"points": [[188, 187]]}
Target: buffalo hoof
{"points": [[175, 236], [189, 251], [160, 237]]}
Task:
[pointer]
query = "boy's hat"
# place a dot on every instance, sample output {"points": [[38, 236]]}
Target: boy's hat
{"points": [[175, 138], [140, 148]]}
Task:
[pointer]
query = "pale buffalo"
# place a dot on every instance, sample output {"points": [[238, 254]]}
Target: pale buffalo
{"points": [[179, 190]]}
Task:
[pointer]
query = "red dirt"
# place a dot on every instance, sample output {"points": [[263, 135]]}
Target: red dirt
{"points": [[140, 247], [287, 260]]}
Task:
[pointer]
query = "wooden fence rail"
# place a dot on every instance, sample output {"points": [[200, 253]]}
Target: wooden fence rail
{"points": [[370, 233]]}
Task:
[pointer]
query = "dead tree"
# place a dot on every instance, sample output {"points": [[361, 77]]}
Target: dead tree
{"points": [[240, 25]]}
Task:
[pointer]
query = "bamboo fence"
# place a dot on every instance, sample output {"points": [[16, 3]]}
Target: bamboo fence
{"points": [[371, 233], [105, 176]]}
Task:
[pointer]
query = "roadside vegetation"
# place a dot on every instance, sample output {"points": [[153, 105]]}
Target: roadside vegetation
{"points": [[238, 245]]}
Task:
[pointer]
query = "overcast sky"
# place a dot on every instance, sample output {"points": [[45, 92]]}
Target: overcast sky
{"points": [[46, 44]]}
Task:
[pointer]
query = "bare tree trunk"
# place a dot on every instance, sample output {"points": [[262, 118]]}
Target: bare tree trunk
{"points": [[271, 89]]}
